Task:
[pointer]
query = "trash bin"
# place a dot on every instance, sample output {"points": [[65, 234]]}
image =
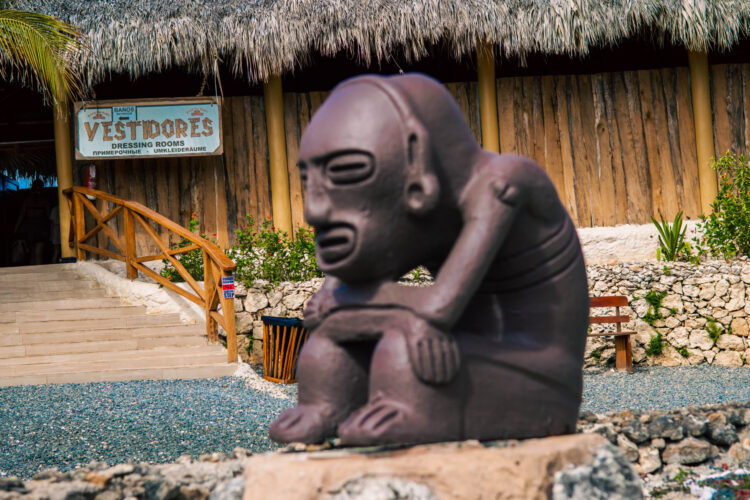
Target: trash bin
{"points": [[282, 340]]}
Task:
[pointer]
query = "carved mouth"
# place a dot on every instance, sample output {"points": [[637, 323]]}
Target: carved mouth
{"points": [[335, 244]]}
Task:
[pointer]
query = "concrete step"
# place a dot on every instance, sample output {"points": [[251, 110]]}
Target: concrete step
{"points": [[37, 277], [108, 346], [81, 293], [44, 268], [32, 289], [8, 339], [170, 333], [153, 358], [62, 361], [209, 370], [57, 304], [82, 315], [98, 324]]}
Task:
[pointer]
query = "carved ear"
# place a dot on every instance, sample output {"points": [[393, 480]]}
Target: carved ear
{"points": [[422, 189]]}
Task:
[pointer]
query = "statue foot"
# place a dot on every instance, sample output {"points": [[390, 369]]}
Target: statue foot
{"points": [[304, 424], [384, 421]]}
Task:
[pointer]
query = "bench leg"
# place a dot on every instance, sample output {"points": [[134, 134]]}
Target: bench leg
{"points": [[623, 353]]}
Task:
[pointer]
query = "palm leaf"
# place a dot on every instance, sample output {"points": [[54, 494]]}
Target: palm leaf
{"points": [[39, 50]]}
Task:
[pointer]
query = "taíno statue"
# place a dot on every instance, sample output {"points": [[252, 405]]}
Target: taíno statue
{"points": [[493, 348]]}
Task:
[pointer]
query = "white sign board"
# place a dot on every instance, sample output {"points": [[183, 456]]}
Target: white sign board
{"points": [[148, 128]]}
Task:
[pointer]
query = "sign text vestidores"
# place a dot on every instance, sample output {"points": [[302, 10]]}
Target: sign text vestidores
{"points": [[148, 128]]}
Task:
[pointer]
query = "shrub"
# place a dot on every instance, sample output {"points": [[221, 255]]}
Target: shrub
{"points": [[714, 330], [672, 244], [726, 231], [192, 261], [654, 347], [267, 253], [653, 299]]}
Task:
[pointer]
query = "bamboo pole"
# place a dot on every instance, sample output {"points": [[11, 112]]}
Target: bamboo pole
{"points": [[64, 157], [280, 198], [488, 97], [704, 138]]}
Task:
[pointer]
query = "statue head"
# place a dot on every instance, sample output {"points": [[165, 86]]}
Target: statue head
{"points": [[380, 162]]}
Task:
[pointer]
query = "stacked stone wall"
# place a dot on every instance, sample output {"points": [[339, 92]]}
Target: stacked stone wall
{"points": [[694, 298]]}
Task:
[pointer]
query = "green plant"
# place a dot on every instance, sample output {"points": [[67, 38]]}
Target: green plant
{"points": [[714, 330], [666, 270], [683, 351], [654, 347], [653, 299], [681, 475], [597, 355], [671, 238], [192, 261], [726, 231], [267, 253]]}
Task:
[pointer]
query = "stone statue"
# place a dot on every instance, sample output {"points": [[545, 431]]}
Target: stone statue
{"points": [[493, 348]]}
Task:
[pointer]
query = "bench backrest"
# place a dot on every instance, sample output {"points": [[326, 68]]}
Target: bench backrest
{"points": [[612, 301]]}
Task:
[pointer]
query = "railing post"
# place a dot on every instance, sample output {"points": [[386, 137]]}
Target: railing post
{"points": [[80, 229], [227, 307], [127, 216], [209, 286]]}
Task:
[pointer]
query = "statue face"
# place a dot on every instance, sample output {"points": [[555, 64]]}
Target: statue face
{"points": [[353, 165]]}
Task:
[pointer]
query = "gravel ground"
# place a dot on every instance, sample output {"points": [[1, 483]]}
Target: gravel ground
{"points": [[157, 421]]}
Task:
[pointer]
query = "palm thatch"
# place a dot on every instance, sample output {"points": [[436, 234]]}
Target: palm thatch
{"points": [[264, 37]]}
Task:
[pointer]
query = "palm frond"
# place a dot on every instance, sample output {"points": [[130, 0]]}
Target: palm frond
{"points": [[40, 50]]}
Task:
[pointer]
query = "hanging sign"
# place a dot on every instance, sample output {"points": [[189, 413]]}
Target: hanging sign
{"points": [[148, 128]]}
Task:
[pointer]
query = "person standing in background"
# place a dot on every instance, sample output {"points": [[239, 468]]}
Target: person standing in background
{"points": [[33, 221]]}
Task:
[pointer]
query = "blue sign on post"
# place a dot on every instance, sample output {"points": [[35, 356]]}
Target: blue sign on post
{"points": [[227, 286]]}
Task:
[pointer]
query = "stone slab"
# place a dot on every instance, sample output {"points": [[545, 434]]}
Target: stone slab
{"points": [[464, 470]]}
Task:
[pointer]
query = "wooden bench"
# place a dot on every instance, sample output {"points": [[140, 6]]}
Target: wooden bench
{"points": [[623, 350]]}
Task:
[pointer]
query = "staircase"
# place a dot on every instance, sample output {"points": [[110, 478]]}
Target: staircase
{"points": [[58, 328]]}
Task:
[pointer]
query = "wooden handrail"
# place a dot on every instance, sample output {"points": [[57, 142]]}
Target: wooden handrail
{"points": [[216, 265]]}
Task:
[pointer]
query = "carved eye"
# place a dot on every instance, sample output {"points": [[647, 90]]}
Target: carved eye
{"points": [[350, 168], [302, 173]]}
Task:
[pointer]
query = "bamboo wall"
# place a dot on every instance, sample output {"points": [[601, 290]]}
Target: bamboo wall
{"points": [[618, 146], [730, 100]]}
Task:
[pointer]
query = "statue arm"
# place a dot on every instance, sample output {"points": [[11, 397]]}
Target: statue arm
{"points": [[490, 204]]}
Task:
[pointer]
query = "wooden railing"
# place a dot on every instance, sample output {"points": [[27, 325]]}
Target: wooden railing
{"points": [[216, 264]]}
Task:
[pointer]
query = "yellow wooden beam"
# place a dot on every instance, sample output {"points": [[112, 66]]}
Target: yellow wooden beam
{"points": [[488, 97], [280, 204], [704, 130], [64, 156]]}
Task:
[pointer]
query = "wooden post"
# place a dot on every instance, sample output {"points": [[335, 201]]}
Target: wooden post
{"points": [[227, 309], [127, 217], [488, 97], [704, 130], [80, 229], [64, 157], [281, 206], [209, 286]]}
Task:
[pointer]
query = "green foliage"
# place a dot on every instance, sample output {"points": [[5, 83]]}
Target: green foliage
{"points": [[40, 50], [713, 329], [683, 351], [682, 475], [726, 231], [192, 261], [267, 253], [654, 347], [597, 355], [671, 238], [653, 299], [666, 270]]}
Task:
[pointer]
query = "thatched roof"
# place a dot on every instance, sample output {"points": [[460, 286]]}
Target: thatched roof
{"points": [[263, 37]]}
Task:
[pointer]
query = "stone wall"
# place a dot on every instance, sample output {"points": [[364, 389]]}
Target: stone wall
{"points": [[697, 439], [694, 296], [715, 292]]}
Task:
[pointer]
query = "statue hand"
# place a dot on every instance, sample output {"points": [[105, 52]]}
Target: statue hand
{"points": [[434, 356]]}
